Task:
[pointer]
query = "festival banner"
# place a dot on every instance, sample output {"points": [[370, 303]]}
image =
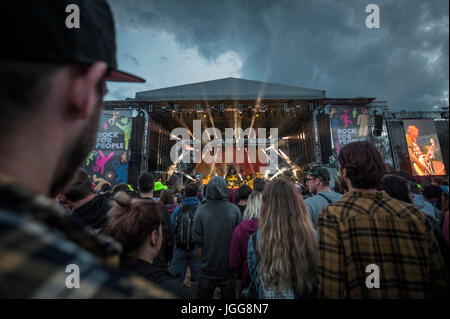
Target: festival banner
{"points": [[349, 125], [423, 148], [108, 162]]}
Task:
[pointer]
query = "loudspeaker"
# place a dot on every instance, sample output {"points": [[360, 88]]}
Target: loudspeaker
{"points": [[378, 125], [323, 124], [136, 144]]}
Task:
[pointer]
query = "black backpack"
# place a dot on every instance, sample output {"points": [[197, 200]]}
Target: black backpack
{"points": [[184, 227]]}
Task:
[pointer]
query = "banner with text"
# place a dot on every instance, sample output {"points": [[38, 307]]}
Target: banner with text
{"points": [[108, 162], [349, 125]]}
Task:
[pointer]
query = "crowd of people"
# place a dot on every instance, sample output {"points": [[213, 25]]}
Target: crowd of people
{"points": [[280, 239], [269, 242]]}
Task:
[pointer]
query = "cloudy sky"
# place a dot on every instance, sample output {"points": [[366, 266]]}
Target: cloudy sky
{"points": [[320, 44]]}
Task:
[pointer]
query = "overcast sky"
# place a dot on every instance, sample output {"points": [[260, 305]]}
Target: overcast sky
{"points": [[320, 44]]}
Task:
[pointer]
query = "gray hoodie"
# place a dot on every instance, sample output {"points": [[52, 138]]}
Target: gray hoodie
{"points": [[214, 224]]}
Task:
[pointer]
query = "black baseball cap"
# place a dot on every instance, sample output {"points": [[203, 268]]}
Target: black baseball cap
{"points": [[36, 31], [321, 173]]}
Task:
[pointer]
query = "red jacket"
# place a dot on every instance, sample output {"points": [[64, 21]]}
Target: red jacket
{"points": [[239, 246]]}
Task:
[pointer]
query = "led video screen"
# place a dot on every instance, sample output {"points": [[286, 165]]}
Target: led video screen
{"points": [[423, 148]]}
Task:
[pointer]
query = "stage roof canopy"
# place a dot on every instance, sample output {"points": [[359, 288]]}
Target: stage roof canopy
{"points": [[230, 89]]}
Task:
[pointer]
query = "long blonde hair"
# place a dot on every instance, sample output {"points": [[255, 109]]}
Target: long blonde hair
{"points": [[253, 206], [287, 245]]}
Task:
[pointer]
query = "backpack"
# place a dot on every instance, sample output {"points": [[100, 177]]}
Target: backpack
{"points": [[184, 227]]}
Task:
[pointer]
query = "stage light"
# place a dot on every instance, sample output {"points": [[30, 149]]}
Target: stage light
{"points": [[175, 107], [241, 107], [199, 107], [150, 108]]}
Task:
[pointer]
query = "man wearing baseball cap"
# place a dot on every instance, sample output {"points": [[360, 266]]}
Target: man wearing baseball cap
{"points": [[318, 183], [52, 82]]}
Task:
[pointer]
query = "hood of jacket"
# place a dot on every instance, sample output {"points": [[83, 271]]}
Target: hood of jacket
{"points": [[249, 225], [190, 201], [217, 189]]}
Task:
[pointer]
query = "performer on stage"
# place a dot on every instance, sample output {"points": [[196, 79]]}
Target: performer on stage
{"points": [[420, 161]]}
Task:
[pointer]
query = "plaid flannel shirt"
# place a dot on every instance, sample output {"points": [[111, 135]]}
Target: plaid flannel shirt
{"points": [[367, 228], [38, 241]]}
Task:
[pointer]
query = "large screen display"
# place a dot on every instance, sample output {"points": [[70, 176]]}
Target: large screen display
{"points": [[423, 148]]}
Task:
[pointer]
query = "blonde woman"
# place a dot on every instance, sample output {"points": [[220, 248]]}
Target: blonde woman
{"points": [[239, 241], [284, 261]]}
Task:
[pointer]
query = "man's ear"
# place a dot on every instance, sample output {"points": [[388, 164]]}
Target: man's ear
{"points": [[84, 96], [154, 238]]}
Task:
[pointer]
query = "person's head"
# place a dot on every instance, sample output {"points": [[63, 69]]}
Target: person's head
{"points": [[318, 179], [146, 183], [136, 224], [217, 189], [105, 188], [397, 187], [120, 188], [432, 193], [286, 230], [244, 192], [361, 165], [412, 181], [413, 131], [52, 83], [158, 189], [439, 181], [80, 188], [167, 197], [259, 184], [191, 189], [253, 206]]}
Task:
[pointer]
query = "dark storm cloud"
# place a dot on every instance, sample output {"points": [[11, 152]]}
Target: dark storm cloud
{"points": [[321, 44], [133, 59]]}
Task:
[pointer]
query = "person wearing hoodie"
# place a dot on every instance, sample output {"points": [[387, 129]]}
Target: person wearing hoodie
{"points": [[85, 205], [239, 243], [137, 225], [182, 224], [214, 224]]}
